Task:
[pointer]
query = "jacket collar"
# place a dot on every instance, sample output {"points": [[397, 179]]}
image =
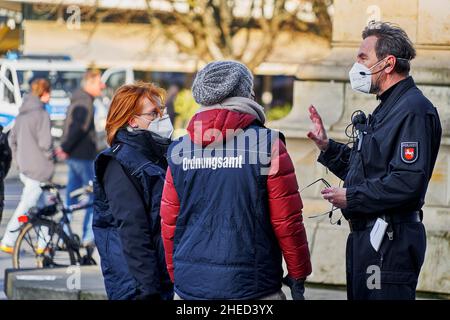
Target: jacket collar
{"points": [[204, 127], [81, 94], [386, 106], [31, 103], [143, 142]]}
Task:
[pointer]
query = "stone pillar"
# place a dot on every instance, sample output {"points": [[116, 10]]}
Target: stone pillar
{"points": [[325, 84]]}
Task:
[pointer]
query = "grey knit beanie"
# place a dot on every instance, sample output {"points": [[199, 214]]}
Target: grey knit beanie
{"points": [[220, 80]]}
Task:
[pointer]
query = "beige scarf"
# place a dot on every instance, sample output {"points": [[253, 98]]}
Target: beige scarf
{"points": [[239, 104]]}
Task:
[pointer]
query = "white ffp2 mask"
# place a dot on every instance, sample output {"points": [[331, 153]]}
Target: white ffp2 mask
{"points": [[360, 76], [162, 126]]}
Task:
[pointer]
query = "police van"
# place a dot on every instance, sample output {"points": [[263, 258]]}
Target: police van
{"points": [[17, 72]]}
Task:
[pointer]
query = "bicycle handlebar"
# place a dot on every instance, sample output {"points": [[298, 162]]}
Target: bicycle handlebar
{"points": [[48, 186], [81, 206], [81, 191]]}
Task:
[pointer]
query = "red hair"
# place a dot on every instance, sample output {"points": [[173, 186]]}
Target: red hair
{"points": [[127, 102]]}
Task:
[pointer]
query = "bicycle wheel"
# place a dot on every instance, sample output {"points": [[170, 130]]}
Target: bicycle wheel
{"points": [[42, 244]]}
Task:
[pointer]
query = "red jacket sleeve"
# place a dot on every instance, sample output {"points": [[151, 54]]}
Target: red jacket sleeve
{"points": [[170, 207], [285, 207]]}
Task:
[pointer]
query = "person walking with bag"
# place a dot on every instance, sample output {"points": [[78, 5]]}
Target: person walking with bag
{"points": [[32, 148]]}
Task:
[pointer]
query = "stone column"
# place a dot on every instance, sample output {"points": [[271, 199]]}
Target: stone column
{"points": [[325, 84]]}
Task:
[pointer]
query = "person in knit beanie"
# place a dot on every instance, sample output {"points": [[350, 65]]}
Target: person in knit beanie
{"points": [[226, 85], [219, 80], [230, 207]]}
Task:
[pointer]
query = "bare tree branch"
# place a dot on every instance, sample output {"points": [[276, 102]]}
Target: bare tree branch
{"points": [[210, 30], [270, 28], [155, 22], [247, 33]]}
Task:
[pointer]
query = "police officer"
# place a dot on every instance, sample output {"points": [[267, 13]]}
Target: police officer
{"points": [[387, 170]]}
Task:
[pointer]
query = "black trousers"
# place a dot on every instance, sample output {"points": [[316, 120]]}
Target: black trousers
{"points": [[392, 272]]}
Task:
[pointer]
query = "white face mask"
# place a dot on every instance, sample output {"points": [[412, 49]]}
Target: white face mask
{"points": [[162, 126], [361, 77]]}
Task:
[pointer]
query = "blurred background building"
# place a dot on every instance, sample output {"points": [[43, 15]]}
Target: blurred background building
{"points": [[167, 41]]}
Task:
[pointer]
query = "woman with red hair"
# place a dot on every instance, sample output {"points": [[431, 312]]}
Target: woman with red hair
{"points": [[129, 178]]}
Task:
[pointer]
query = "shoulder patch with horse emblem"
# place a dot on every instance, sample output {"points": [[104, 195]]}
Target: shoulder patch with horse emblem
{"points": [[409, 151]]}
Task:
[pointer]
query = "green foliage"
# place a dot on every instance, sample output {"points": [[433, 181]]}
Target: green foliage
{"points": [[185, 107], [278, 112]]}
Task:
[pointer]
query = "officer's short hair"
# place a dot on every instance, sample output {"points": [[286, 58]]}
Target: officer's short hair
{"points": [[392, 40]]}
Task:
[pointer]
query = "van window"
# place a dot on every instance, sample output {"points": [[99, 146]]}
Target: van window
{"points": [[61, 82], [114, 81]]}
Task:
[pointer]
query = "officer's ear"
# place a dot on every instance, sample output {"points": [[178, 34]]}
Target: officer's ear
{"points": [[390, 64]]}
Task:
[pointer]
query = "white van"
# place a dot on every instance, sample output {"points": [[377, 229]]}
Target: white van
{"points": [[64, 75]]}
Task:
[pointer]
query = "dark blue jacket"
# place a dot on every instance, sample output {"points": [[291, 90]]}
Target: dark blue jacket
{"points": [[379, 176], [128, 187]]}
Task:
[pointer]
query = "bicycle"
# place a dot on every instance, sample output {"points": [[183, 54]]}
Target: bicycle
{"points": [[46, 241]]}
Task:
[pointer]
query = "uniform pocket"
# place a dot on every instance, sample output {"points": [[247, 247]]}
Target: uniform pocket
{"points": [[417, 246], [400, 261], [395, 285], [398, 277]]}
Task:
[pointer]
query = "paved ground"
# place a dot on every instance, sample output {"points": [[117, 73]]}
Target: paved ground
{"points": [[60, 284]]}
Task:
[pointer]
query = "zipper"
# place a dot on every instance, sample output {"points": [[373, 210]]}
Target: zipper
{"points": [[390, 235], [390, 232]]}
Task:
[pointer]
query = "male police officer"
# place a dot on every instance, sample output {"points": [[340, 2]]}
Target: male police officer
{"points": [[386, 172]]}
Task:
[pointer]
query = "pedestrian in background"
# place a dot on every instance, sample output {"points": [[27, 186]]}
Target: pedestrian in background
{"points": [[78, 145], [172, 94], [129, 178], [32, 147]]}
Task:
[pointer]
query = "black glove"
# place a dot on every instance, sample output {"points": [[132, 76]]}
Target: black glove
{"points": [[297, 287], [142, 295]]}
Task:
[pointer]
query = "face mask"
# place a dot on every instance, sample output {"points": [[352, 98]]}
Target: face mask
{"points": [[161, 126], [360, 77]]}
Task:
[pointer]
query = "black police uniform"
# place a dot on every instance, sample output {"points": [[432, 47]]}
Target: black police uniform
{"points": [[386, 174]]}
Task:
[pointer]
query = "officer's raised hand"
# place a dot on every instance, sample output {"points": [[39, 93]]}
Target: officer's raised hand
{"points": [[318, 134]]}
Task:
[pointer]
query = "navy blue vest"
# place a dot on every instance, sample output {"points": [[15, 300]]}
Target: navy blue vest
{"points": [[224, 243]]}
